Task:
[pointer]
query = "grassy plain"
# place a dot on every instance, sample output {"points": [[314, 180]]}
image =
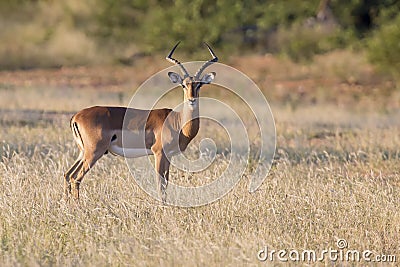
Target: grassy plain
{"points": [[336, 173]]}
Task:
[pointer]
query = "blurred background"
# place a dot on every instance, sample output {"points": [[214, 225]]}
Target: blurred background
{"points": [[298, 52], [50, 33]]}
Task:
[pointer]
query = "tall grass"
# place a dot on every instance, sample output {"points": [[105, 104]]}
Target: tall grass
{"points": [[335, 174], [334, 181]]}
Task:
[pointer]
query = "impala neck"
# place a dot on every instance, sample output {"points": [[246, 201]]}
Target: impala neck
{"points": [[190, 120]]}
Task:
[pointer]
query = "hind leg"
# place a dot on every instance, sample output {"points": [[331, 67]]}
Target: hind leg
{"points": [[67, 176], [83, 166]]}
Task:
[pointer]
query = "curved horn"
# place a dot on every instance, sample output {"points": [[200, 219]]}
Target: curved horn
{"points": [[208, 63], [174, 61]]}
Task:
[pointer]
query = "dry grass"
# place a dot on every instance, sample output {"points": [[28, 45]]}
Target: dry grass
{"points": [[335, 175], [328, 182]]}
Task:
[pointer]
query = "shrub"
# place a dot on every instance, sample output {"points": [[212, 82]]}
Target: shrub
{"points": [[301, 43], [384, 47]]}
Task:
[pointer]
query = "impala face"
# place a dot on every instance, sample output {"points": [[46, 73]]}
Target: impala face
{"points": [[191, 86]]}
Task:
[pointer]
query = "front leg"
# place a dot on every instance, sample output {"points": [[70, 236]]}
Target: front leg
{"points": [[162, 174]]}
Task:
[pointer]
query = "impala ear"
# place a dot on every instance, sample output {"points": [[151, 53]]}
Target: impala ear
{"points": [[209, 77], [175, 77]]}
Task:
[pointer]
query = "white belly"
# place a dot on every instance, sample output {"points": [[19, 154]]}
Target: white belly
{"points": [[129, 152]]}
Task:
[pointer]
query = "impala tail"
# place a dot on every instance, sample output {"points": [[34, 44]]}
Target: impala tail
{"points": [[77, 135]]}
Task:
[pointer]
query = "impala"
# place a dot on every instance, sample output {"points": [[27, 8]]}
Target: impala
{"points": [[160, 132]]}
